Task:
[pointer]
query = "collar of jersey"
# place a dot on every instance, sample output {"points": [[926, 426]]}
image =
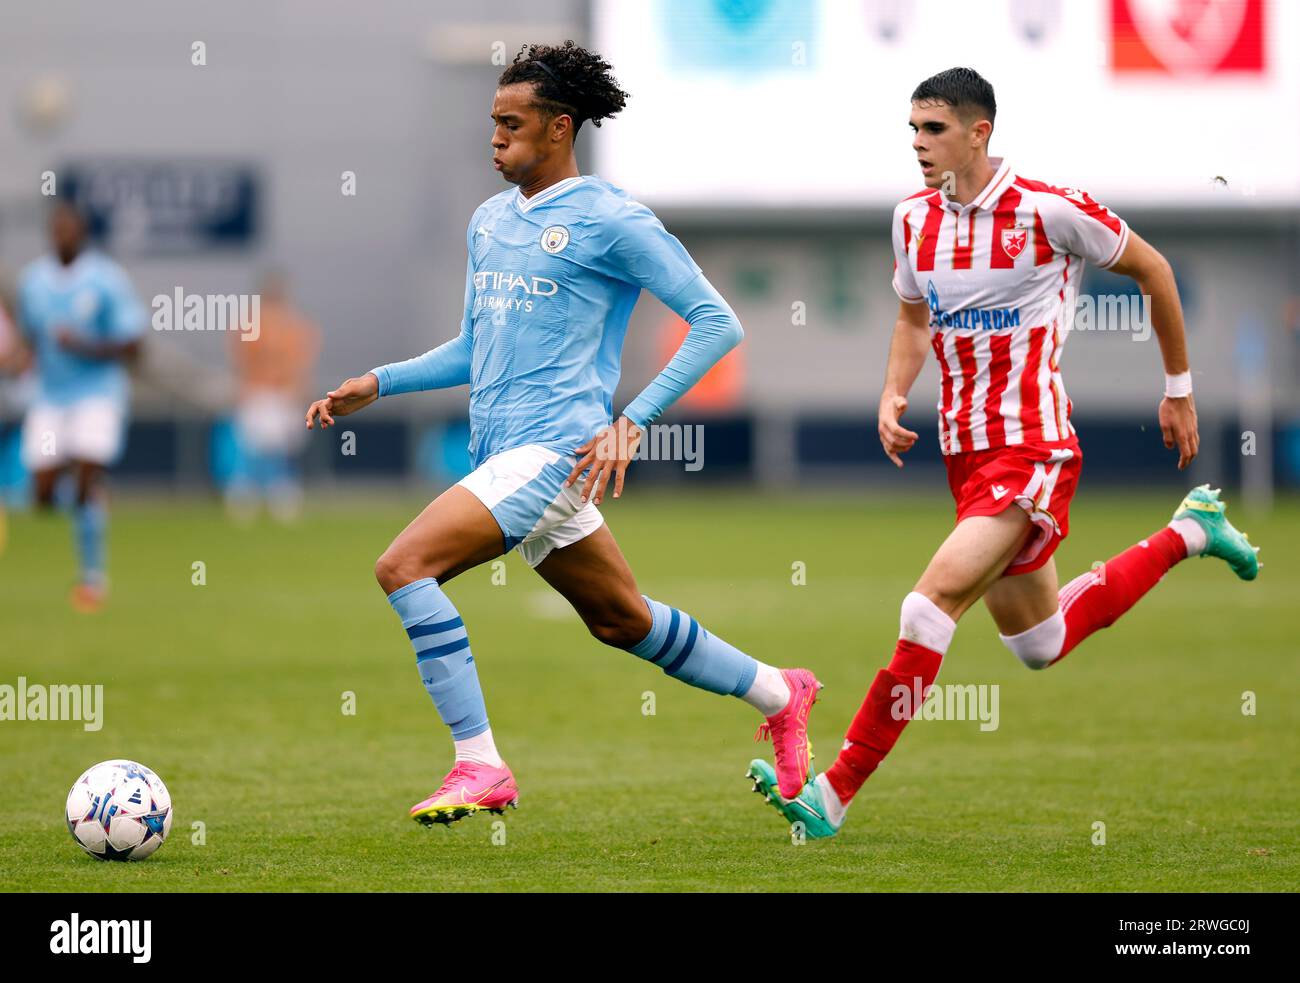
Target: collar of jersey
{"points": [[986, 199], [63, 274], [546, 194]]}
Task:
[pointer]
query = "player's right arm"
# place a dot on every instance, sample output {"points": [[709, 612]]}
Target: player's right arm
{"points": [[906, 349], [440, 368], [906, 359]]}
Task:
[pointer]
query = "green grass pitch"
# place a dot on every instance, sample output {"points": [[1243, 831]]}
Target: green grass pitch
{"points": [[233, 692]]}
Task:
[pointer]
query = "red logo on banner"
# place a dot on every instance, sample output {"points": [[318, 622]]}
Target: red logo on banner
{"points": [[1187, 37]]}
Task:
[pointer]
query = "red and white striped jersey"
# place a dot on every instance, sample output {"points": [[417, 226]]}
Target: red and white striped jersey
{"points": [[1001, 277]]}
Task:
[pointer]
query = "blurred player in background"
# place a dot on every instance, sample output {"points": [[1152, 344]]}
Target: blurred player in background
{"points": [[80, 322], [274, 366], [555, 267], [9, 349], [987, 268]]}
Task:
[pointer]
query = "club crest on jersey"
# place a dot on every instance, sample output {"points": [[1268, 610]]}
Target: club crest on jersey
{"points": [[555, 238], [1014, 239]]}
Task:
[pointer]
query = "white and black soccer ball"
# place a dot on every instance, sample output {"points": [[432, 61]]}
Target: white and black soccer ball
{"points": [[119, 810]]}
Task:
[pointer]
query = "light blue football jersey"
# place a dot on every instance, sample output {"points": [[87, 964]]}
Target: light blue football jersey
{"points": [[549, 290], [93, 298]]}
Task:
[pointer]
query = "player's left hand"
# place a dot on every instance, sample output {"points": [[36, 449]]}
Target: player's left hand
{"points": [[1178, 427], [607, 455]]}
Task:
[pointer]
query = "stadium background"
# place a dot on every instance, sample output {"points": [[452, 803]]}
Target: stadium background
{"points": [[243, 158], [230, 689]]}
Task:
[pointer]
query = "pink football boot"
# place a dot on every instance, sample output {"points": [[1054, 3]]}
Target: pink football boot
{"points": [[468, 787], [788, 729]]}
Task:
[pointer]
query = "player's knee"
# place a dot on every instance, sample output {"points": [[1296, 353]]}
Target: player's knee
{"points": [[923, 620], [617, 632], [1039, 646], [937, 587], [395, 569], [611, 632], [622, 628], [1034, 659], [386, 571]]}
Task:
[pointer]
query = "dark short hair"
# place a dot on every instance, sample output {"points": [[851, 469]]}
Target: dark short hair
{"points": [[570, 80], [964, 89]]}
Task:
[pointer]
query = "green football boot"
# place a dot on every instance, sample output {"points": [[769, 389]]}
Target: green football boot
{"points": [[806, 807], [1221, 538]]}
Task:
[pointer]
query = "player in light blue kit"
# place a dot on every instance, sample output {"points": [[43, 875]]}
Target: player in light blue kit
{"points": [[555, 268], [81, 322]]}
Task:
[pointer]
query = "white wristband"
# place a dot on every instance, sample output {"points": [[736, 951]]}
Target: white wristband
{"points": [[1178, 386]]}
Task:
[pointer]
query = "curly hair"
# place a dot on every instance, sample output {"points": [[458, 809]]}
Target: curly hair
{"points": [[569, 80]]}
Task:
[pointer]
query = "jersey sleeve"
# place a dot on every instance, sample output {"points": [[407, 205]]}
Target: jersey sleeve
{"points": [[904, 281], [1078, 225], [125, 317], [632, 245], [714, 331]]}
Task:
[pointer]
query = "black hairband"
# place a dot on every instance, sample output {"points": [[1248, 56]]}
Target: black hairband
{"points": [[546, 68], [577, 122], [554, 78]]}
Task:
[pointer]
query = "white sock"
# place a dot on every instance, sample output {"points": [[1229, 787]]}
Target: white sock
{"points": [[769, 694], [1193, 534], [480, 749], [835, 809]]}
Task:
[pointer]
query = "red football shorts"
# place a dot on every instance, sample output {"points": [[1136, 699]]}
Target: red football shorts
{"points": [[1039, 478]]}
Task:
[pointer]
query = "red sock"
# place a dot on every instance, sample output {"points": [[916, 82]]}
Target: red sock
{"points": [[1097, 598], [875, 728]]}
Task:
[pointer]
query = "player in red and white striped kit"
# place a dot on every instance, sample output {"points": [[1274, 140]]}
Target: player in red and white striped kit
{"points": [[987, 269]]}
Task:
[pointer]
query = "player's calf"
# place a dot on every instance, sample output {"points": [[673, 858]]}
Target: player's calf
{"points": [[925, 632], [686, 651], [1098, 598]]}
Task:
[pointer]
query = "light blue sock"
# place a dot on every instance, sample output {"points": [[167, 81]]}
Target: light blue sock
{"points": [[442, 655], [684, 650], [89, 523]]}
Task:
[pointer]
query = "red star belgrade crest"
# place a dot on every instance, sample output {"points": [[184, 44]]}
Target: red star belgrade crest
{"points": [[1014, 239]]}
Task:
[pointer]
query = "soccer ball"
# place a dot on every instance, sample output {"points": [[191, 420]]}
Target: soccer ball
{"points": [[119, 810]]}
